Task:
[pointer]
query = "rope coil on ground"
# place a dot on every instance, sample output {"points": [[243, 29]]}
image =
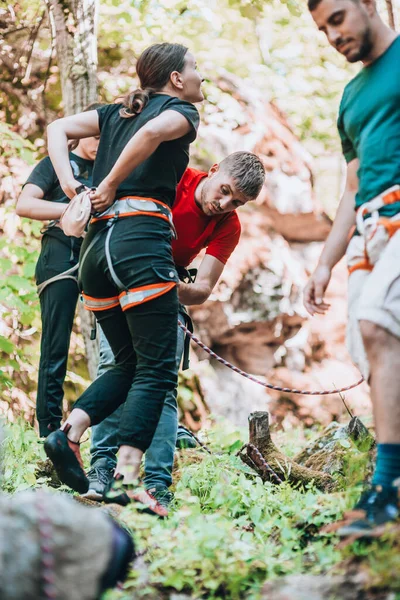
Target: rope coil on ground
{"points": [[262, 383]]}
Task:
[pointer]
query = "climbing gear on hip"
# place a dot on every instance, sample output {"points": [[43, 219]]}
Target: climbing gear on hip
{"points": [[263, 383], [133, 206], [76, 214], [187, 276], [375, 231]]}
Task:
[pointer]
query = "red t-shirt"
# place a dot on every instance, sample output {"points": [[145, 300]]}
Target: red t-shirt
{"points": [[219, 233]]}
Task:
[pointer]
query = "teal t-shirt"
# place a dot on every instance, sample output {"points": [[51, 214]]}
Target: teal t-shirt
{"points": [[369, 126]]}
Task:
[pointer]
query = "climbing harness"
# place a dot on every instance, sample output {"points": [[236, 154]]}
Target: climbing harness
{"points": [[258, 381], [133, 206], [129, 206], [375, 231]]}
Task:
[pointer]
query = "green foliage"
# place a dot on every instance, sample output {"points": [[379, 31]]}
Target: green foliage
{"points": [[18, 302], [18, 253], [20, 452], [230, 532], [13, 144], [227, 532]]}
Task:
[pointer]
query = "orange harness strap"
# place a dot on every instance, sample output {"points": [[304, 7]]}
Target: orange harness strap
{"points": [[163, 212], [364, 265], [391, 227]]}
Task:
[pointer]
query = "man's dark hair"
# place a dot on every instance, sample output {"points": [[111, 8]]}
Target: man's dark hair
{"points": [[247, 170], [312, 4]]}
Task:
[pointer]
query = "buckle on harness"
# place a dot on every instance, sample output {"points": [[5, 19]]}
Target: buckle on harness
{"points": [[113, 219]]}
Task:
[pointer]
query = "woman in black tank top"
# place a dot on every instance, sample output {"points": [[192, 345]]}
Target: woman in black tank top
{"points": [[127, 273]]}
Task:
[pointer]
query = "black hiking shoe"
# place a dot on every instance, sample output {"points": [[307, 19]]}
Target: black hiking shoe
{"points": [[66, 458], [99, 476], [162, 494], [377, 506], [185, 438], [117, 492]]}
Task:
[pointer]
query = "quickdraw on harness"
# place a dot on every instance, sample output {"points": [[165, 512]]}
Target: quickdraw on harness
{"points": [[187, 276], [375, 231]]}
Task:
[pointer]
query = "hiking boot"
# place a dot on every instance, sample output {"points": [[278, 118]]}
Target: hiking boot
{"points": [[99, 477], [66, 458], [121, 493], [377, 506], [162, 494], [185, 438]]}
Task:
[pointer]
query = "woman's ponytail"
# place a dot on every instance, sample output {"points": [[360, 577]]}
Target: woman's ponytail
{"points": [[153, 68], [134, 103]]}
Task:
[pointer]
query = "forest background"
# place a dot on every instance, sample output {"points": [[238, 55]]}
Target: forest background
{"points": [[258, 58]]}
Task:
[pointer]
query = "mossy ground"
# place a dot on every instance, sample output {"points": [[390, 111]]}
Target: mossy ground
{"points": [[228, 532]]}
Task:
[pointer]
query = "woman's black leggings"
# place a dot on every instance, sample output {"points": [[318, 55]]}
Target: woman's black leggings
{"points": [[143, 336]]}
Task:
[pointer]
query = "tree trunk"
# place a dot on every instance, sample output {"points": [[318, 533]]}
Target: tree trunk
{"points": [[390, 12], [74, 25], [283, 466], [74, 29]]}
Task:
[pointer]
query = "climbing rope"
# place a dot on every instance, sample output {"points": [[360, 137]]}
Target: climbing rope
{"points": [[262, 462], [262, 383]]}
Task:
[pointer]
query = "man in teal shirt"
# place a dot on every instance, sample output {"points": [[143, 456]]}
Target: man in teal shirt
{"points": [[369, 128]]}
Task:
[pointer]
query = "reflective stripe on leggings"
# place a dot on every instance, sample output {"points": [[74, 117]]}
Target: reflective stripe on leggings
{"points": [[129, 298], [96, 304], [143, 294]]}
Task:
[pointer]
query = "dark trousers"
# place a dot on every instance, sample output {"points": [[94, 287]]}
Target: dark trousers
{"points": [[143, 338], [57, 305]]}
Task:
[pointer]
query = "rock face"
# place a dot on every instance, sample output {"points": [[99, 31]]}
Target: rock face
{"points": [[256, 319]]}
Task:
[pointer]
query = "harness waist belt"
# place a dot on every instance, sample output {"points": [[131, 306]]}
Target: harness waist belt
{"points": [[132, 206], [389, 196]]}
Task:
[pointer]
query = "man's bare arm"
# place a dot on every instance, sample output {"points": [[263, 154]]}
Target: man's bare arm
{"points": [[75, 127], [31, 204], [209, 272], [335, 246]]}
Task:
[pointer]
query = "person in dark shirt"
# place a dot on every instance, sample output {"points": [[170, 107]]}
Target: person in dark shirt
{"points": [[127, 271], [369, 128], [43, 199]]}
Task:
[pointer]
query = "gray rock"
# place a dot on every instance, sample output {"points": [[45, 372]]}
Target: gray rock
{"points": [[79, 539]]}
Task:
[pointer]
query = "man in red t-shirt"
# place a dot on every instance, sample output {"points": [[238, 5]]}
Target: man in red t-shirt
{"points": [[204, 217]]}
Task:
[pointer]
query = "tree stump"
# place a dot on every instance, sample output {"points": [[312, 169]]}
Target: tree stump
{"points": [[284, 467]]}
